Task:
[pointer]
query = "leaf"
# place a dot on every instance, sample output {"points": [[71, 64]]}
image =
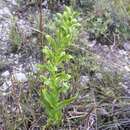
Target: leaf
{"points": [[41, 66], [51, 41], [48, 52], [59, 15], [45, 80], [66, 102], [50, 98], [63, 76], [65, 87], [43, 101], [52, 68], [68, 10]]}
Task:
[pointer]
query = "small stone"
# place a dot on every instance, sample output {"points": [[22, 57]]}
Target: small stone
{"points": [[84, 80], [127, 46], [103, 111], [122, 52], [13, 2], [6, 85], [5, 74], [21, 77], [24, 28], [105, 48], [16, 62], [34, 69], [127, 68], [16, 56], [99, 75], [4, 66], [5, 12], [128, 62]]}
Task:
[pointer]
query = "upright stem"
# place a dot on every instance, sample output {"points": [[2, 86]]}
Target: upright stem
{"points": [[41, 26]]}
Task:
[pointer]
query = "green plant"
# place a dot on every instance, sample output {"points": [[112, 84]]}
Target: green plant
{"points": [[119, 13], [98, 25], [108, 23], [15, 36], [56, 80]]}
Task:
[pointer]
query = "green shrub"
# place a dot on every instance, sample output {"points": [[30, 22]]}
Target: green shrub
{"points": [[55, 81], [119, 10], [109, 20], [98, 25]]}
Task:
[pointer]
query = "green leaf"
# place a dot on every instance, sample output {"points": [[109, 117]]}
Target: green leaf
{"points": [[50, 98], [68, 10], [44, 102], [63, 76], [49, 53], [51, 41], [65, 102], [65, 87], [59, 15], [41, 67]]}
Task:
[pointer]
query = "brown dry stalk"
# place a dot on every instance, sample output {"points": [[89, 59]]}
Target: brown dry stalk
{"points": [[41, 24]]}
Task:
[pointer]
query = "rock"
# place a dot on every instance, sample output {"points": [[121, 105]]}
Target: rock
{"points": [[21, 77], [126, 78], [5, 74], [84, 80], [99, 75], [13, 2], [24, 28], [34, 69], [127, 68], [5, 23], [123, 52], [126, 82], [124, 86], [4, 66], [127, 46], [6, 85], [5, 13], [102, 111]]}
